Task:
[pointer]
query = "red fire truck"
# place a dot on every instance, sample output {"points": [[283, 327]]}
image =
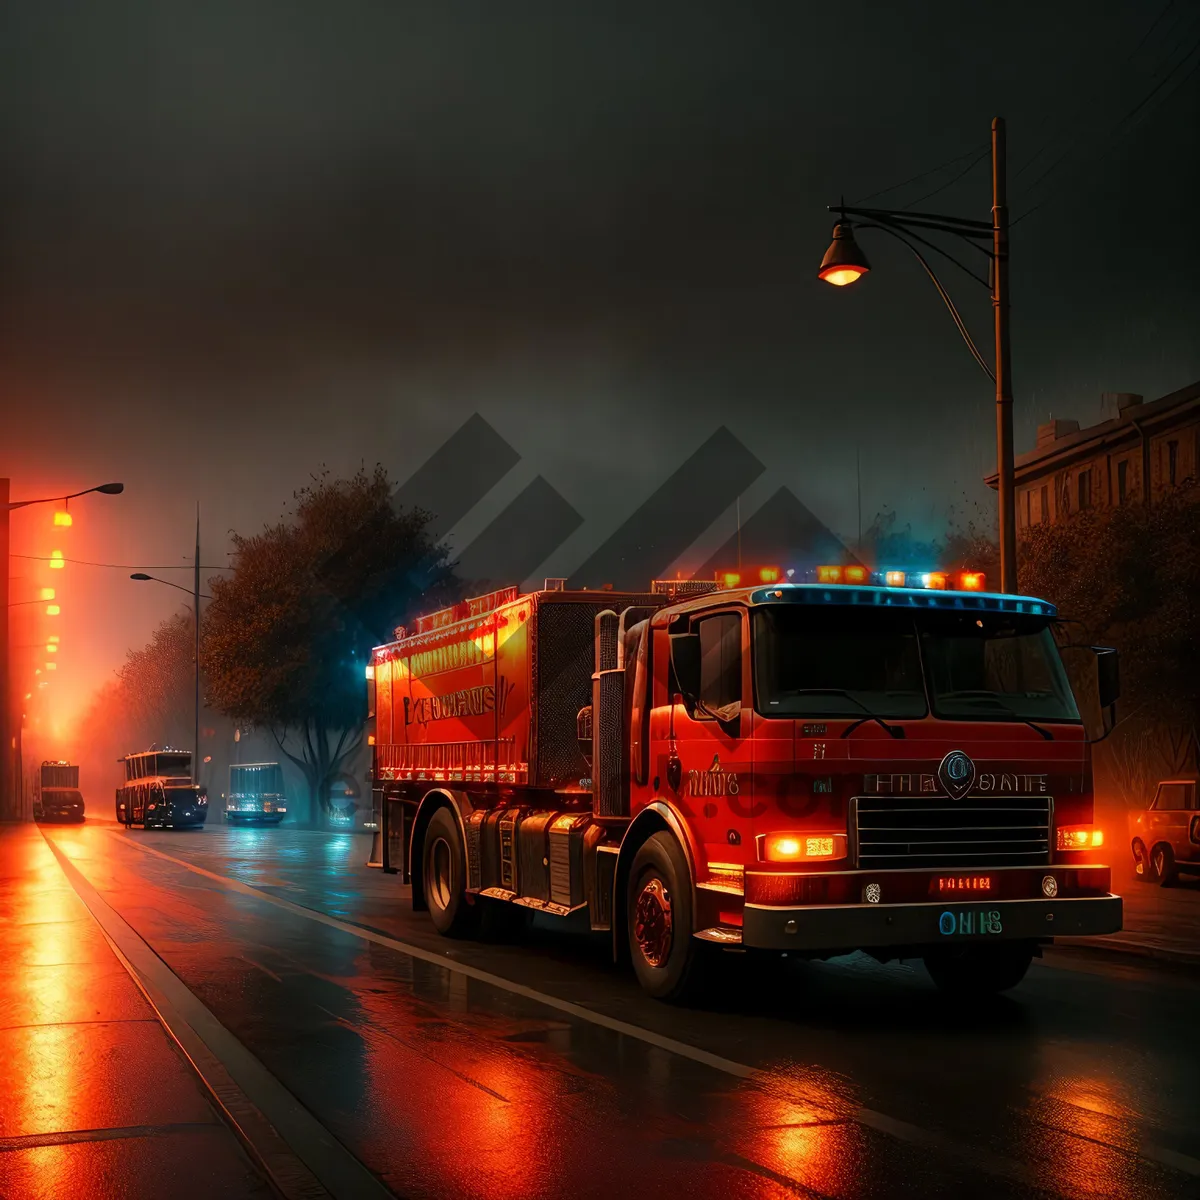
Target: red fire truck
{"points": [[866, 762]]}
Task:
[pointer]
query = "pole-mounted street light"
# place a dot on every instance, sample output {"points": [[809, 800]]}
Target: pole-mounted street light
{"points": [[844, 263], [9, 753], [142, 577]]}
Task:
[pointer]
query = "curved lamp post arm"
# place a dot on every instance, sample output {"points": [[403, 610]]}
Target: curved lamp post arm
{"points": [[941, 291], [107, 489], [141, 578]]}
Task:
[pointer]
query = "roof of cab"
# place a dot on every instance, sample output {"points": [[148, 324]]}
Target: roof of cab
{"points": [[844, 594]]}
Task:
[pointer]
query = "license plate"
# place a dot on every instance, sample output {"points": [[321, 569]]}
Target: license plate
{"points": [[969, 922], [956, 885]]}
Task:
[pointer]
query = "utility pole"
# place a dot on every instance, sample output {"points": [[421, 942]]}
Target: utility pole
{"points": [[196, 613], [1006, 485], [9, 805]]}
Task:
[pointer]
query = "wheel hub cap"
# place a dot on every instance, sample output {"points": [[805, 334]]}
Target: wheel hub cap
{"points": [[652, 923]]}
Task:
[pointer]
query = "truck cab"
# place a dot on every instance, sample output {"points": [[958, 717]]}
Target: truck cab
{"points": [[255, 794], [1165, 838], [58, 796]]}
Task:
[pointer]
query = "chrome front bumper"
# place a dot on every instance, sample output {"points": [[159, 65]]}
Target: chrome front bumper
{"points": [[869, 926]]}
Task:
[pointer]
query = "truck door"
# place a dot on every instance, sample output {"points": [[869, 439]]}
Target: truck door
{"points": [[715, 753], [1170, 816]]}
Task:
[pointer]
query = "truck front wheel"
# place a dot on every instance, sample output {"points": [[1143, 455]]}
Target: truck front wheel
{"points": [[658, 916], [444, 878], [979, 970]]}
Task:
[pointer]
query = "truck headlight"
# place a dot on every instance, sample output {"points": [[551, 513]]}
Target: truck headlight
{"points": [[801, 846]]}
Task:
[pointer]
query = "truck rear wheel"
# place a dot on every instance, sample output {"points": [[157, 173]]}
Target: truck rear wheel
{"points": [[444, 874], [658, 917], [979, 970]]}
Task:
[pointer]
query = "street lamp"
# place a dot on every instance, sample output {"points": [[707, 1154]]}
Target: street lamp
{"points": [[844, 263], [8, 742], [142, 577]]}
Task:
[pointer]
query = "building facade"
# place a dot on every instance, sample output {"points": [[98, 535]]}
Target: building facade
{"points": [[1146, 449]]}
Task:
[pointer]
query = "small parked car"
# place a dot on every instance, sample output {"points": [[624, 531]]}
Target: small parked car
{"points": [[1165, 839]]}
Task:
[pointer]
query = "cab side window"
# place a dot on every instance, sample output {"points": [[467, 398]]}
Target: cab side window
{"points": [[1175, 797], [720, 660]]}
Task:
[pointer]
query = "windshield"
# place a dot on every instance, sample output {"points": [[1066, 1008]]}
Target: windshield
{"points": [[989, 666], [62, 796], [181, 795], [848, 662], [811, 661]]}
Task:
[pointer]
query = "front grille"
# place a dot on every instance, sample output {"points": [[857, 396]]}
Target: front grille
{"points": [[993, 831]]}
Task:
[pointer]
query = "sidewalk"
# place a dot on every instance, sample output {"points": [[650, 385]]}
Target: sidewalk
{"points": [[1161, 923], [96, 1100]]}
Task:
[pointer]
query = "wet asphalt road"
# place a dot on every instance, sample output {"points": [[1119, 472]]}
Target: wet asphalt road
{"points": [[847, 1079]]}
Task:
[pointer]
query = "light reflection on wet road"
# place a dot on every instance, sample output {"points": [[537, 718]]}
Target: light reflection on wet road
{"points": [[871, 1083]]}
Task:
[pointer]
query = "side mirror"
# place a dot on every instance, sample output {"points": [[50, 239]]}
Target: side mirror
{"points": [[685, 662], [1108, 673]]}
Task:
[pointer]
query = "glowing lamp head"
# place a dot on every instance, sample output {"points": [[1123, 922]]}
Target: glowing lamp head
{"points": [[51, 648], [47, 593], [57, 562], [844, 262], [829, 574], [52, 610], [62, 520]]}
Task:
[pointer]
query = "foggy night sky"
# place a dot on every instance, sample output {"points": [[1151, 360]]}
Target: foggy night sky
{"points": [[239, 241]]}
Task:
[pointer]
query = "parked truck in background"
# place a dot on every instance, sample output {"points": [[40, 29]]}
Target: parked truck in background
{"points": [[158, 791], [873, 763], [58, 795], [255, 794]]}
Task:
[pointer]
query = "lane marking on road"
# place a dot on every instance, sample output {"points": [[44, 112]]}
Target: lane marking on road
{"points": [[301, 1157], [881, 1122]]}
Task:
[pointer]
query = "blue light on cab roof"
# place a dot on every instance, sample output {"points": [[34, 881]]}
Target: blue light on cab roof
{"points": [[897, 597]]}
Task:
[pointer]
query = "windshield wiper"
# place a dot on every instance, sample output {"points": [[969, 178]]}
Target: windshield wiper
{"points": [[895, 730], [992, 698]]}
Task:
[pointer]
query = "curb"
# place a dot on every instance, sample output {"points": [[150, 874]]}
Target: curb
{"points": [[1117, 947]]}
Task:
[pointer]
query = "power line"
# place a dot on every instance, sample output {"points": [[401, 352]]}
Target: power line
{"points": [[1117, 133], [1078, 111], [923, 175], [79, 562], [949, 182]]}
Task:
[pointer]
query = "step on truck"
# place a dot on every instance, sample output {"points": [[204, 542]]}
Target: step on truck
{"points": [[58, 796], [872, 763]]}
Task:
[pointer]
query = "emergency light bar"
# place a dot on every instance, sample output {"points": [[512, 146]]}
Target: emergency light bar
{"points": [[856, 575]]}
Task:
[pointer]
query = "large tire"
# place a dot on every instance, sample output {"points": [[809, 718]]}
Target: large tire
{"points": [[1162, 860], [979, 970], [658, 920], [1143, 871], [444, 877]]}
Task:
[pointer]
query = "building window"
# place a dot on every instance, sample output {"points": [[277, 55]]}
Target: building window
{"points": [[1172, 461], [1045, 513], [1085, 490], [1122, 482], [1028, 508]]}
